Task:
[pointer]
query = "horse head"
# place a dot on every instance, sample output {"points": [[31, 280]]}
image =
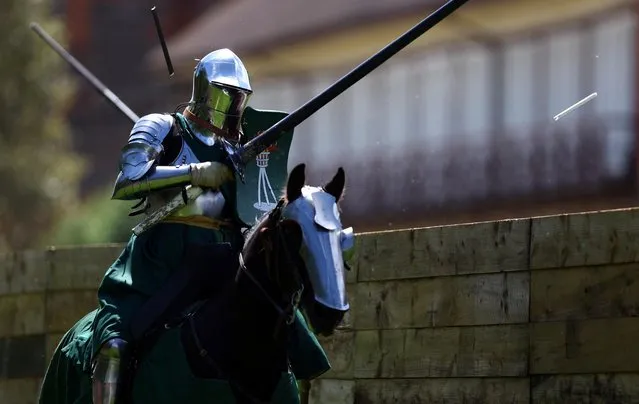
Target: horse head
{"points": [[303, 240]]}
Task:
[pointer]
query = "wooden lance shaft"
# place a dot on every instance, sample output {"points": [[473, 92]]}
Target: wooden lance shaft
{"points": [[97, 84]]}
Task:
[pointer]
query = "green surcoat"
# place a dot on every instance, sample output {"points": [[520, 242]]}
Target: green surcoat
{"points": [[144, 265]]}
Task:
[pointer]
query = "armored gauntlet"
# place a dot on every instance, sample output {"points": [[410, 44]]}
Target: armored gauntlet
{"points": [[210, 174]]}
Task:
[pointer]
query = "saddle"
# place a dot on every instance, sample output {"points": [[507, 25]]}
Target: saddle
{"points": [[204, 270]]}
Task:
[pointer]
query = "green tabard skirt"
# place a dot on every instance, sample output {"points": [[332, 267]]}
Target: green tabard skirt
{"points": [[145, 263]]}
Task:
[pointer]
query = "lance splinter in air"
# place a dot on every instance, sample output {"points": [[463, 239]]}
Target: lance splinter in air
{"points": [[165, 50], [94, 81]]}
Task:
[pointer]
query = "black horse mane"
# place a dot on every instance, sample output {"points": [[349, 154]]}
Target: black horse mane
{"points": [[256, 242], [264, 222], [250, 236]]}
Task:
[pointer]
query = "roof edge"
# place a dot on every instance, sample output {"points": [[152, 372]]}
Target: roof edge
{"points": [[155, 57]]}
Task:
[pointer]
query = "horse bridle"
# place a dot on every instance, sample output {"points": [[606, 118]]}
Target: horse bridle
{"points": [[286, 314]]}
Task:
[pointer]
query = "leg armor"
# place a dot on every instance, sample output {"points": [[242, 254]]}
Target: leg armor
{"points": [[110, 372]]}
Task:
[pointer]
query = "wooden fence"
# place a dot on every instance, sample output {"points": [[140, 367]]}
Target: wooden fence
{"points": [[540, 310]]}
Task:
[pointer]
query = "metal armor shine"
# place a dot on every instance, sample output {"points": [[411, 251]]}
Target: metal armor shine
{"points": [[221, 91]]}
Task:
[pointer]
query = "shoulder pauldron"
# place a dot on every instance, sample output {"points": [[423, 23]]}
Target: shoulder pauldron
{"points": [[144, 146]]}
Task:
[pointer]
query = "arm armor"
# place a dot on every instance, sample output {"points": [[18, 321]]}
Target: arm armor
{"points": [[140, 173], [110, 372]]}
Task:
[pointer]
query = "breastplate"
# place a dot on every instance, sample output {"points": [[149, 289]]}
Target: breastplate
{"points": [[209, 204]]}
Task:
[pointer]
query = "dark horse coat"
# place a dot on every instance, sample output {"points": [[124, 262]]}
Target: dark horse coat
{"points": [[144, 265]]}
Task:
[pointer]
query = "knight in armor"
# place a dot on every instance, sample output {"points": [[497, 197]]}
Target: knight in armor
{"points": [[165, 153]]}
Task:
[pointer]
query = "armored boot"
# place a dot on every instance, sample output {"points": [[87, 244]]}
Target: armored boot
{"points": [[110, 372]]}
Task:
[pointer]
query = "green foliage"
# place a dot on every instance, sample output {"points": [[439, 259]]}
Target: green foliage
{"points": [[99, 220], [39, 173]]}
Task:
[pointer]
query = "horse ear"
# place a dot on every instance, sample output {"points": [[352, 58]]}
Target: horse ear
{"points": [[335, 186], [295, 182]]}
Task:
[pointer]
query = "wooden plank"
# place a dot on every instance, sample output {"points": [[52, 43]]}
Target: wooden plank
{"points": [[23, 272], [585, 292], [448, 250], [589, 346], [22, 314], [585, 389], [445, 301], [347, 321], [442, 352], [339, 349], [64, 309], [22, 357], [81, 267], [582, 239], [440, 391], [19, 391], [332, 391]]}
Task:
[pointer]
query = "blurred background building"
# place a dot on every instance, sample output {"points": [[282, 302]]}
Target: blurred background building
{"points": [[457, 127]]}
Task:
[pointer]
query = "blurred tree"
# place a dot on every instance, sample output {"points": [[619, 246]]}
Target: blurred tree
{"points": [[99, 220], [39, 173]]}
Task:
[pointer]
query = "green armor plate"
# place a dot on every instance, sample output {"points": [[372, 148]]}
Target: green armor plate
{"points": [[265, 177]]}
